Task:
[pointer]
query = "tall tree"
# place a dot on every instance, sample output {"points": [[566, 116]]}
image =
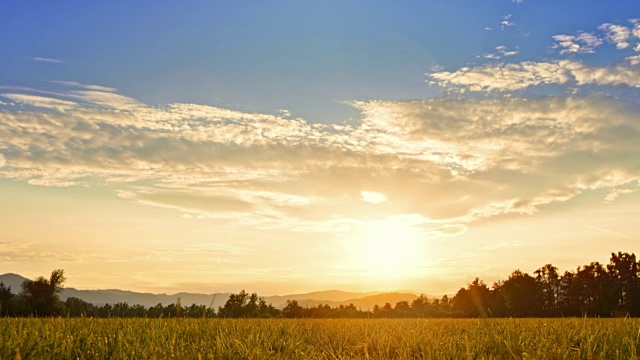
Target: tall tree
{"points": [[292, 309], [624, 272], [8, 306], [522, 295], [549, 280], [42, 295], [473, 301]]}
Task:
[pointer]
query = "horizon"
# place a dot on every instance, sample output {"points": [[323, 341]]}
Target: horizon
{"points": [[284, 148]]}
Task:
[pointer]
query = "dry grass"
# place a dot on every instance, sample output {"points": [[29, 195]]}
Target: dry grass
{"points": [[319, 339]]}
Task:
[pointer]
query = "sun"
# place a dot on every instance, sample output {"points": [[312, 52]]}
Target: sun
{"points": [[389, 249]]}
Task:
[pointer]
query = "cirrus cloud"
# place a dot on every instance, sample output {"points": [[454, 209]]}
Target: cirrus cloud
{"points": [[448, 163]]}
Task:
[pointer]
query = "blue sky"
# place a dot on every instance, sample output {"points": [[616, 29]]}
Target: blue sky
{"points": [[293, 146], [306, 57]]}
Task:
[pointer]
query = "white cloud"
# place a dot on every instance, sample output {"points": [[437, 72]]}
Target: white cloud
{"points": [[2, 160], [505, 77], [86, 86], [518, 76], [583, 43], [492, 157], [616, 34], [500, 52], [373, 197], [46, 60], [615, 193], [41, 101], [505, 22]]}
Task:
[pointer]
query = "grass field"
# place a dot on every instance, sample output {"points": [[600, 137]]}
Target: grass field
{"points": [[319, 339]]}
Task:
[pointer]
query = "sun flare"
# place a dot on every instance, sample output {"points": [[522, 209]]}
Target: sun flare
{"points": [[388, 250]]}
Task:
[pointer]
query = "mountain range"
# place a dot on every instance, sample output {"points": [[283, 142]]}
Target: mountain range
{"points": [[333, 298]]}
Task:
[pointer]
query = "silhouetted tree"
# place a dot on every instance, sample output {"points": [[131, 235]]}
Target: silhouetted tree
{"points": [[244, 305], [473, 301], [522, 295], [292, 309], [421, 306], [8, 305], [77, 307], [624, 271], [42, 295], [549, 280]]}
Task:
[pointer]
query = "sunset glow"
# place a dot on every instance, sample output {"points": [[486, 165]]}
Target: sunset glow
{"points": [[286, 147]]}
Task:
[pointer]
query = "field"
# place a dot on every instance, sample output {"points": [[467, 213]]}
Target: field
{"points": [[60, 338]]}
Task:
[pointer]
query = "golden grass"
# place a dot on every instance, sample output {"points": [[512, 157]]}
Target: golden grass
{"points": [[61, 338]]}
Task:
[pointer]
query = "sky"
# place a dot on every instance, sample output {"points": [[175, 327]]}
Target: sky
{"points": [[291, 146]]}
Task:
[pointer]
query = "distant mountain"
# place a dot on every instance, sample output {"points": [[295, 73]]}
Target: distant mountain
{"points": [[364, 303], [332, 298], [13, 280], [113, 296]]}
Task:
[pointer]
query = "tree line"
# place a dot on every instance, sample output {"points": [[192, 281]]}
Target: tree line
{"points": [[593, 290]]}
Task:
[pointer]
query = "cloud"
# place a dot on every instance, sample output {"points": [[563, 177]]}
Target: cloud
{"points": [[457, 161], [583, 43], [615, 193], [41, 101], [200, 253], [505, 22], [85, 86], [616, 34], [518, 76], [23, 252], [509, 142], [46, 60], [636, 31], [500, 52], [373, 197]]}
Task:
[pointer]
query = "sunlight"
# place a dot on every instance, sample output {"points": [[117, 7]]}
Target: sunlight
{"points": [[388, 250]]}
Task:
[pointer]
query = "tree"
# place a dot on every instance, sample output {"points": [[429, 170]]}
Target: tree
{"points": [[522, 295], [8, 306], [473, 301], [244, 305], [292, 309], [549, 280], [77, 307], [624, 271], [42, 295], [402, 309]]}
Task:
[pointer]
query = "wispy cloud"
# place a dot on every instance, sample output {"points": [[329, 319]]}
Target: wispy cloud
{"points": [[85, 86], [615, 193], [518, 76], [506, 22], [494, 157], [610, 232], [46, 60], [41, 101], [500, 52]]}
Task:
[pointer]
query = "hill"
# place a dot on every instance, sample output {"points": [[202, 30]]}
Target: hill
{"points": [[333, 298], [13, 280]]}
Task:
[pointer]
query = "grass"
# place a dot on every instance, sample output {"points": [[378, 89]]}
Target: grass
{"points": [[61, 338]]}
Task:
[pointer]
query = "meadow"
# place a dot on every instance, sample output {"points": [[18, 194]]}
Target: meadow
{"points": [[87, 338]]}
